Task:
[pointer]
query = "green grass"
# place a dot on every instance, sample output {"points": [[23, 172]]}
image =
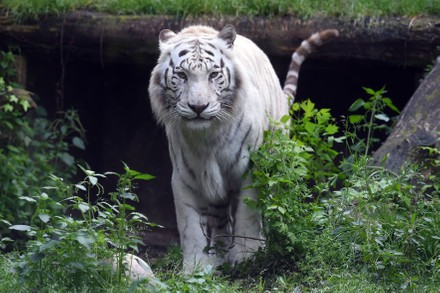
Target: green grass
{"points": [[24, 9], [344, 281]]}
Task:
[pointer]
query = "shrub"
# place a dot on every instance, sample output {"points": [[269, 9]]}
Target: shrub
{"points": [[31, 148], [294, 167], [279, 175], [382, 224], [387, 223], [77, 253]]}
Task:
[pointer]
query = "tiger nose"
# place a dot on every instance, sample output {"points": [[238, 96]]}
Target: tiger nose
{"points": [[198, 108]]}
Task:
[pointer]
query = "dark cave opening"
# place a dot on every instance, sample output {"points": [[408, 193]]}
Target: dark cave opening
{"points": [[113, 105]]}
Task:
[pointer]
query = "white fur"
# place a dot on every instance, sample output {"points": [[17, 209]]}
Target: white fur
{"points": [[210, 147]]}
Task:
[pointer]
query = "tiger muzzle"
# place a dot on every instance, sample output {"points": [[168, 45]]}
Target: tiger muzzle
{"points": [[198, 108]]}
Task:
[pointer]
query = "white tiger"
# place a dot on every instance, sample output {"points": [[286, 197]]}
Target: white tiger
{"points": [[214, 92]]}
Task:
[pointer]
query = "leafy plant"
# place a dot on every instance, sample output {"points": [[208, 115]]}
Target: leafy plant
{"points": [[387, 223], [317, 130], [279, 172], [7, 68], [77, 253], [382, 225], [293, 168], [31, 148], [373, 118]]}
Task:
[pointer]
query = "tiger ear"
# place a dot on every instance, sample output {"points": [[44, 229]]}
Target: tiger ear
{"points": [[165, 35], [228, 33]]}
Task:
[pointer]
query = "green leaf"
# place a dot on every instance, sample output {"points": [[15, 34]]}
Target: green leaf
{"points": [[13, 99], [84, 238], [356, 105], [44, 218], [323, 116], [340, 139], [295, 107], [285, 118], [48, 245], [136, 174], [25, 104], [8, 124], [5, 222], [20, 227], [80, 187], [83, 207], [389, 103], [93, 180], [331, 129], [87, 172], [308, 107], [8, 108], [369, 91], [144, 176], [250, 203], [7, 239], [382, 117], [126, 206], [27, 198], [355, 118], [63, 129], [367, 106], [14, 149], [79, 143], [67, 159], [139, 217], [128, 195], [310, 127], [281, 210]]}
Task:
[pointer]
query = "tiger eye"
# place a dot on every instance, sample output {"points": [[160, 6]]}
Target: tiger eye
{"points": [[213, 75], [182, 75]]}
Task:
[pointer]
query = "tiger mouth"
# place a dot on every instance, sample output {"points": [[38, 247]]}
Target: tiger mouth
{"points": [[198, 118]]}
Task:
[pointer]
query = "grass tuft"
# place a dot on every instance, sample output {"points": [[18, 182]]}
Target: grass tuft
{"points": [[25, 9]]}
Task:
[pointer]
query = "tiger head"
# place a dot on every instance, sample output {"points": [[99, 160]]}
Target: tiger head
{"points": [[195, 82]]}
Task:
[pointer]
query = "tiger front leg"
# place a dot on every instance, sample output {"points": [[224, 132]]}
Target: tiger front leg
{"points": [[192, 228], [247, 228]]}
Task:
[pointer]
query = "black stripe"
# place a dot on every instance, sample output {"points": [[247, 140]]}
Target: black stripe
{"points": [[191, 206], [237, 155], [189, 187], [185, 183], [174, 155], [228, 75], [209, 214], [207, 58], [237, 80], [183, 52], [256, 141], [222, 205], [166, 76], [222, 224], [237, 128], [186, 164]]}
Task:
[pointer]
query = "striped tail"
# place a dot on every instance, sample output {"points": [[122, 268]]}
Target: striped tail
{"points": [[300, 54]]}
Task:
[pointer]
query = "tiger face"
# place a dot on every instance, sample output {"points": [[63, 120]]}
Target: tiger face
{"points": [[196, 78]]}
